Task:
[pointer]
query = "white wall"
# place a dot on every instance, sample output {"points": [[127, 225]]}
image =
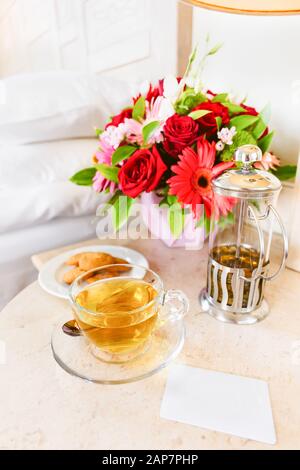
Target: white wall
{"points": [[137, 39], [127, 38], [260, 59]]}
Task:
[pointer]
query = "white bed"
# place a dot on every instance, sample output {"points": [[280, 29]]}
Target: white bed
{"points": [[47, 133], [39, 208]]}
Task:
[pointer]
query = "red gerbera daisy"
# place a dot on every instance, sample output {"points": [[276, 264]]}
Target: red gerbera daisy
{"points": [[192, 183]]}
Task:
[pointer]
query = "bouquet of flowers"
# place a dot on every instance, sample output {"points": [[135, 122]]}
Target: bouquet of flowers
{"points": [[174, 139]]}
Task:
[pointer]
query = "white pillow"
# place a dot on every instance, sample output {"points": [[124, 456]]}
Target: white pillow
{"points": [[57, 105], [31, 165], [34, 186], [23, 207]]}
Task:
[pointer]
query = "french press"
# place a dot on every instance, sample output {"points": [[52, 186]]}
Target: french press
{"points": [[239, 251]]}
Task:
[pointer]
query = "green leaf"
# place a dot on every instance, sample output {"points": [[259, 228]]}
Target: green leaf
{"points": [[191, 60], [139, 109], [242, 122], [259, 128], [84, 177], [204, 222], [189, 100], [215, 49], [172, 199], [109, 172], [240, 138], [207, 222], [121, 210], [176, 217], [106, 206], [176, 214], [149, 129], [123, 152], [219, 122], [286, 172], [198, 113], [206, 225], [266, 113], [227, 155], [192, 56], [220, 98], [99, 132], [265, 142], [234, 108], [164, 202]]}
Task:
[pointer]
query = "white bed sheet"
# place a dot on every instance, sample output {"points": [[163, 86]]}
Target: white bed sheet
{"points": [[16, 248]]}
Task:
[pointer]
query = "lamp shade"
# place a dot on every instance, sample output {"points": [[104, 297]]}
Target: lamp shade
{"points": [[251, 7]]}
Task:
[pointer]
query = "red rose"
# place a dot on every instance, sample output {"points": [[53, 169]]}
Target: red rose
{"points": [[208, 123], [141, 172], [179, 132], [119, 118]]}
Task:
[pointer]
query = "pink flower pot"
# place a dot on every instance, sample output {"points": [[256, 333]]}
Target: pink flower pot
{"points": [[156, 219]]}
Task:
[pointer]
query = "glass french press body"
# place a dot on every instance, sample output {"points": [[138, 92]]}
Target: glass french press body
{"points": [[239, 251]]}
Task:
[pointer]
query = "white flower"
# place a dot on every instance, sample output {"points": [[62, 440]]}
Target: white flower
{"points": [[144, 87], [173, 89], [190, 81], [219, 146], [159, 109], [226, 135], [113, 135]]}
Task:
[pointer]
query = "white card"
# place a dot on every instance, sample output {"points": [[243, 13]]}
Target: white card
{"points": [[221, 402]]}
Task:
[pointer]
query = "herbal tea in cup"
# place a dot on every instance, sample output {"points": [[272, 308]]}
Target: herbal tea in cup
{"points": [[128, 313], [121, 309]]}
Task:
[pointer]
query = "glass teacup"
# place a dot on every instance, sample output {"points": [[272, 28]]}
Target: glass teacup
{"points": [[118, 308]]}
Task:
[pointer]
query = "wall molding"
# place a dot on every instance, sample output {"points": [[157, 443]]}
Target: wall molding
{"points": [[126, 37]]}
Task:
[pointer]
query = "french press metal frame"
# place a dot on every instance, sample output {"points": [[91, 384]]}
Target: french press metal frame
{"points": [[238, 280], [218, 272]]}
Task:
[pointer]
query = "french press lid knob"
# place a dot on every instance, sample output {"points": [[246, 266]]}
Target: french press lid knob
{"points": [[247, 155], [245, 180]]}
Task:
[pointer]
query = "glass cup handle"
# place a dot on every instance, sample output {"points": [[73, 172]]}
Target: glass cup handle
{"points": [[176, 305], [285, 245]]}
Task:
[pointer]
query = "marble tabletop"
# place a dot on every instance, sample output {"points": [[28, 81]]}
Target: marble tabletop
{"points": [[42, 407]]}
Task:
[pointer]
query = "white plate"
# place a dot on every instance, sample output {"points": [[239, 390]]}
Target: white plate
{"points": [[51, 274]]}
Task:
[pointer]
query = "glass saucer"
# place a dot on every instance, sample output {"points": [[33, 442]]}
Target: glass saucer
{"points": [[75, 356]]}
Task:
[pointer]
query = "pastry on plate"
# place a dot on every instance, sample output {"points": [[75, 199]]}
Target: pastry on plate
{"points": [[94, 260], [72, 274], [86, 261]]}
